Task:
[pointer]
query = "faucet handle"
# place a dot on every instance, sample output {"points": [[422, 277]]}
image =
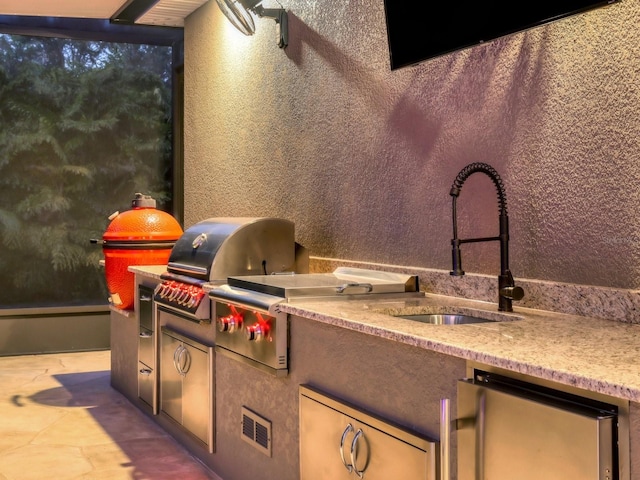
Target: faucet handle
{"points": [[512, 293]]}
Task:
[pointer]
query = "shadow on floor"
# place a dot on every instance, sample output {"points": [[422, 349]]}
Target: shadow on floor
{"points": [[144, 449]]}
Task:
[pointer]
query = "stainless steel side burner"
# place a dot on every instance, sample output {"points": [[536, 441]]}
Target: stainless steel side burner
{"points": [[252, 328]]}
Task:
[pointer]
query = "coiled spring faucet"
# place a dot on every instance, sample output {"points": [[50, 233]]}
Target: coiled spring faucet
{"points": [[507, 290]]}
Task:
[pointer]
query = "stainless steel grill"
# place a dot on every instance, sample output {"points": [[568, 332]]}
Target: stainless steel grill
{"points": [[214, 249]]}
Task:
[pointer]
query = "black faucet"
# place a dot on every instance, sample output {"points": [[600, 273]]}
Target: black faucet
{"points": [[507, 290]]}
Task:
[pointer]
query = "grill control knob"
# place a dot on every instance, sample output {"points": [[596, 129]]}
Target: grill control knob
{"points": [[230, 323], [257, 332]]}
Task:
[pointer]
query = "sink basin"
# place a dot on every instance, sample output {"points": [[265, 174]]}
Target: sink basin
{"points": [[444, 315], [444, 318]]}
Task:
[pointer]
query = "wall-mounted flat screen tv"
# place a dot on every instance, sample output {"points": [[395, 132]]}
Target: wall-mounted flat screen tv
{"points": [[422, 29]]}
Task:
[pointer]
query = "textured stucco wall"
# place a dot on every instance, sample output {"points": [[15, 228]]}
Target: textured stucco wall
{"points": [[330, 359], [362, 158]]}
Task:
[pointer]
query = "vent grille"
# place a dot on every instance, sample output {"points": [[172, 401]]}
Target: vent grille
{"points": [[248, 427], [256, 431], [262, 435]]}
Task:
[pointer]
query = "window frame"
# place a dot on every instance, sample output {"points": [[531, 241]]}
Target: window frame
{"points": [[104, 30]]}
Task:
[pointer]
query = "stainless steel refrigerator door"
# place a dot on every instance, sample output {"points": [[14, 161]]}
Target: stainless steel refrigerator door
{"points": [[502, 436]]}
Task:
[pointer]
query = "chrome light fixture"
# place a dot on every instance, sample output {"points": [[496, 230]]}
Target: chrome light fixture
{"points": [[239, 14]]}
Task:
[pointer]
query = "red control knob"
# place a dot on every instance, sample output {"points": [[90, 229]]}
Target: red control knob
{"points": [[257, 332], [230, 323]]}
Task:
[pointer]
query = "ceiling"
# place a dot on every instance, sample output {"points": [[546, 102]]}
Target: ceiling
{"points": [[163, 13]]}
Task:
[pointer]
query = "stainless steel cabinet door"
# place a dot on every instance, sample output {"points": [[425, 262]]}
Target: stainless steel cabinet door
{"points": [[339, 442], [170, 378], [186, 384], [321, 431], [196, 409]]}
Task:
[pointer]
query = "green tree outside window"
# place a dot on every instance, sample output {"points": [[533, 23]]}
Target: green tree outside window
{"points": [[83, 126]]}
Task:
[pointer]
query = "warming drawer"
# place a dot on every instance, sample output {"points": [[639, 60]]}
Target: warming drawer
{"points": [[147, 373]]}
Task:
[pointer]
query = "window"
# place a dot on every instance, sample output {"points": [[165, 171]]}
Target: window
{"points": [[86, 123]]}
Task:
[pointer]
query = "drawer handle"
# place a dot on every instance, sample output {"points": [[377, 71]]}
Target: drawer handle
{"points": [[145, 298], [342, 440], [146, 335], [145, 371], [354, 445]]}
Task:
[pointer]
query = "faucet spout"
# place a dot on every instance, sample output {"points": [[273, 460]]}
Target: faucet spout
{"points": [[507, 290]]}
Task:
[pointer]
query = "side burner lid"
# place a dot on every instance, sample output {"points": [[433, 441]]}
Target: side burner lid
{"points": [[342, 282]]}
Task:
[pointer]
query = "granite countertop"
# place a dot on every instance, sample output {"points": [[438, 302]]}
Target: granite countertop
{"points": [[151, 271], [593, 354]]}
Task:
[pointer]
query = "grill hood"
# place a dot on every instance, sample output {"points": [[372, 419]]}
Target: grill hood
{"points": [[217, 248]]}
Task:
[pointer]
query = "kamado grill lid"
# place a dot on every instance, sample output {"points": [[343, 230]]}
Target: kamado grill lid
{"points": [[141, 227], [343, 281]]}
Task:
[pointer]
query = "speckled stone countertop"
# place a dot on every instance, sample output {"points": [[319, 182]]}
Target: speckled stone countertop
{"points": [[150, 271], [592, 354]]}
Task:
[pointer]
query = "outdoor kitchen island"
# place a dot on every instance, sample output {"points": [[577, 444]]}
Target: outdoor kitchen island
{"points": [[398, 370]]}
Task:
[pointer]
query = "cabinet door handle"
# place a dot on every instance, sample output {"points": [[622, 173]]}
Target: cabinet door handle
{"points": [[145, 298], [348, 429], [176, 358], [145, 371], [146, 335], [354, 444], [184, 361]]}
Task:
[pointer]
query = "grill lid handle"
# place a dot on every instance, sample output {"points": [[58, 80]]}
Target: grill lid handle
{"points": [[345, 288], [143, 201]]}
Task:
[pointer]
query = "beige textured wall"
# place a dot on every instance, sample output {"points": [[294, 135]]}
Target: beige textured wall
{"points": [[362, 158], [330, 359]]}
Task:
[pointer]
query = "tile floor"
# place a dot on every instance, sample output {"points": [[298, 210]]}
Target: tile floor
{"points": [[61, 420]]}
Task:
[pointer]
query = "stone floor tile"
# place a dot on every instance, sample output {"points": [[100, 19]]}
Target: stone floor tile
{"points": [[60, 419]]}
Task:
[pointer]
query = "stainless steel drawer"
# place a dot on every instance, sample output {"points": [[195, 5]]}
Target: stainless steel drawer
{"points": [[145, 301], [146, 351], [146, 382]]}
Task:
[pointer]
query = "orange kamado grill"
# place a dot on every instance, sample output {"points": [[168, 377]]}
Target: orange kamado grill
{"points": [[140, 236]]}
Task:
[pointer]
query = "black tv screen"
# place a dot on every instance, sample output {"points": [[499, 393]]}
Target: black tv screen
{"points": [[421, 29]]}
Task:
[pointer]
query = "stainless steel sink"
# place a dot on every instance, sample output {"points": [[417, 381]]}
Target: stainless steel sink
{"points": [[444, 318], [444, 315]]}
